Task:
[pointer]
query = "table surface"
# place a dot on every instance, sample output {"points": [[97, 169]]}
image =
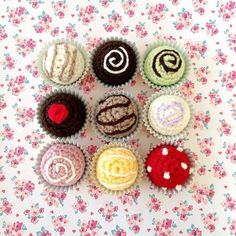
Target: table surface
{"points": [[207, 31]]}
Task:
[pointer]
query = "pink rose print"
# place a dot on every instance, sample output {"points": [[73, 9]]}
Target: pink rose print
{"points": [[91, 149], [187, 89], [135, 143], [59, 8], [25, 46], [33, 69], [196, 49], [231, 102], [108, 211], [200, 6], [220, 58], [156, 12], [43, 232], [3, 33], [175, 2], [129, 7], [52, 198], [229, 203], [16, 85], [2, 175], [43, 89], [71, 31], [201, 120], [154, 204], [134, 221], [93, 190], [22, 188], [219, 171], [34, 213], [214, 97], [130, 197], [224, 128], [142, 98], [202, 73], [227, 10], [8, 62], [105, 3], [201, 170], [184, 21], [194, 231], [231, 40], [35, 3], [59, 224], [92, 43], [89, 228], [229, 80], [198, 98], [183, 211], [205, 146], [210, 220], [230, 152], [35, 138], [14, 229], [140, 30], [7, 132], [118, 231], [87, 84], [211, 28], [114, 22], [232, 226], [16, 155], [3, 103], [203, 194], [80, 206], [163, 227], [5, 207], [44, 24], [24, 115], [17, 15], [87, 14]]}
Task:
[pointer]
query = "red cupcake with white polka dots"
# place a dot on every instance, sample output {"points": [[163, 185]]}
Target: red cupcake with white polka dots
{"points": [[169, 167]]}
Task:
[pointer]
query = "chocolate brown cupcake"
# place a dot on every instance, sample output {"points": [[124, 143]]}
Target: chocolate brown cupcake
{"points": [[114, 62], [62, 114], [116, 116]]}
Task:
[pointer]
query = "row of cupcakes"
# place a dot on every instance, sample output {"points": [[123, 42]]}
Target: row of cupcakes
{"points": [[114, 62], [116, 116], [115, 168]]}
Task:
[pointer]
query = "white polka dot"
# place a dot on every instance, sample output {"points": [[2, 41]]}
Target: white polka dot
{"points": [[164, 151]]}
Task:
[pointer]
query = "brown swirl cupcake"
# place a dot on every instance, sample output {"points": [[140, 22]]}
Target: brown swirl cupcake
{"points": [[62, 114], [116, 116]]}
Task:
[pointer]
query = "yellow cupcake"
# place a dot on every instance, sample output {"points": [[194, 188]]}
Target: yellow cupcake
{"points": [[117, 168]]}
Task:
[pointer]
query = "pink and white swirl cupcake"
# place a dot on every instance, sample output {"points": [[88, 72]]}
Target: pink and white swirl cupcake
{"points": [[62, 164]]}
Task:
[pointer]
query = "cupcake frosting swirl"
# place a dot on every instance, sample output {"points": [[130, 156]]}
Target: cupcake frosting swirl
{"points": [[164, 66]]}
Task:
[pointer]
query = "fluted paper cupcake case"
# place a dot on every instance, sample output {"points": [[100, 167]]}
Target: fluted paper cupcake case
{"points": [[93, 165], [167, 191], [41, 179], [132, 45], [41, 54], [162, 137], [116, 139], [178, 47], [71, 91]]}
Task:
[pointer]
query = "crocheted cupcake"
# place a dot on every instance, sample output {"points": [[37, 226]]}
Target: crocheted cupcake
{"points": [[116, 116], [168, 167], [62, 164], [114, 62], [164, 66], [62, 114]]}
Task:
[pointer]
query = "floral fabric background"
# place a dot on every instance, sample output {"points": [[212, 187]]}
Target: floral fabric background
{"points": [[207, 31]]}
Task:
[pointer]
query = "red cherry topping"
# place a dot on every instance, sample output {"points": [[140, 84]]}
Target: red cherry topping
{"points": [[58, 112]]}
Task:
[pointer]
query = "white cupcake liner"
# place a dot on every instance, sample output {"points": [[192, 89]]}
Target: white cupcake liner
{"points": [[188, 181], [132, 45], [178, 47], [46, 184], [103, 136], [94, 164], [71, 91], [162, 137], [44, 50]]}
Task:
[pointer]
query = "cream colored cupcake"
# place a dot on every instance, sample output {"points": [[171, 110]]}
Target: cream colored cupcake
{"points": [[117, 168]]}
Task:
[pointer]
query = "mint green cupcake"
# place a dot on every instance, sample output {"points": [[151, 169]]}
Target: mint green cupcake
{"points": [[164, 65]]}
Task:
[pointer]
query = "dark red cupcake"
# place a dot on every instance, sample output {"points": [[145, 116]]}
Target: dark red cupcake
{"points": [[168, 167]]}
